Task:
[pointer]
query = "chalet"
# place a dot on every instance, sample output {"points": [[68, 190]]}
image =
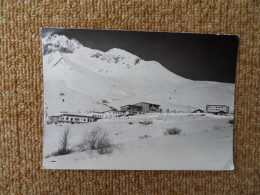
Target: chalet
{"points": [[217, 109], [198, 111], [148, 107], [131, 109]]}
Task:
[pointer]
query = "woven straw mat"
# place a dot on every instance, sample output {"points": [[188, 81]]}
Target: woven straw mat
{"points": [[21, 99]]}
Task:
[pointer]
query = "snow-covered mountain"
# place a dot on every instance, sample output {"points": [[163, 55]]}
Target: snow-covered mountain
{"points": [[59, 43], [78, 79]]}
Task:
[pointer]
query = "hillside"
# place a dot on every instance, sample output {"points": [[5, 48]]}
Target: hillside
{"points": [[78, 79]]}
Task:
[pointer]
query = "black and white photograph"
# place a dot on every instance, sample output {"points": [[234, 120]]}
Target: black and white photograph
{"points": [[132, 100]]}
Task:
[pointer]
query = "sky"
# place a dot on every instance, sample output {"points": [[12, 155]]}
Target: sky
{"points": [[203, 57]]}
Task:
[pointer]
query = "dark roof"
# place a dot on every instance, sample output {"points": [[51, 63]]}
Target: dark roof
{"points": [[198, 110], [148, 103], [131, 106], [217, 105], [76, 115], [113, 111]]}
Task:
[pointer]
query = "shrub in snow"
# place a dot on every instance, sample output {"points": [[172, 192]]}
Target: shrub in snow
{"points": [[144, 137], [172, 131], [146, 122], [97, 140], [105, 101], [62, 152], [217, 127], [64, 143]]}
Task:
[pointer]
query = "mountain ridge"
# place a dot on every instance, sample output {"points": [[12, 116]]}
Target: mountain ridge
{"points": [[88, 77]]}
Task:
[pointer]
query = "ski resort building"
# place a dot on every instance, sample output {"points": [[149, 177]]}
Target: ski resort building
{"points": [[217, 109], [148, 107], [142, 107], [113, 114], [98, 115], [71, 118], [107, 114], [131, 109]]}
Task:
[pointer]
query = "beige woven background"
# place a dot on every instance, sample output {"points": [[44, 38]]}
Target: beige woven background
{"points": [[21, 99]]}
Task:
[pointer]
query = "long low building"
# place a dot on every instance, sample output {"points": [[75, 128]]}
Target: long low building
{"points": [[217, 109], [98, 115], [107, 114], [71, 118], [113, 114]]}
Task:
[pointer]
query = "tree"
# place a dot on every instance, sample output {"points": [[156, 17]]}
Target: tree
{"points": [[98, 140], [64, 142]]}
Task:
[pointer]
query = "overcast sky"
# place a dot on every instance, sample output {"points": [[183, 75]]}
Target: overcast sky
{"points": [[193, 56]]}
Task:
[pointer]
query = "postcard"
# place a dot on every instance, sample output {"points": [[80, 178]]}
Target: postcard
{"points": [[129, 100]]}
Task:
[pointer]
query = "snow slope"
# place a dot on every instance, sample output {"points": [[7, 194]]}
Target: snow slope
{"points": [[78, 79]]}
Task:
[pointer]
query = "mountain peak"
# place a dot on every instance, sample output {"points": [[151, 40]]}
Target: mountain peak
{"points": [[59, 43], [119, 52], [118, 56]]}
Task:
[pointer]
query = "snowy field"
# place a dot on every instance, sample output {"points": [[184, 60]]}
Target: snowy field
{"points": [[204, 143]]}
